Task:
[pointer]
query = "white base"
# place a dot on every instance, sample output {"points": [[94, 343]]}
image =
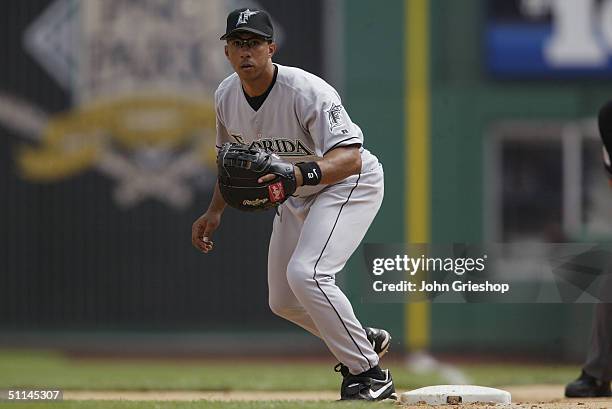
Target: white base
{"points": [[455, 394]]}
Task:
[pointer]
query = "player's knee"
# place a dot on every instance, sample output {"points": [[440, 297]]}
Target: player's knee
{"points": [[278, 307], [299, 275]]}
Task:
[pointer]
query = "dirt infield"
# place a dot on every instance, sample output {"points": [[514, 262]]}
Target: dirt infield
{"points": [[528, 397]]}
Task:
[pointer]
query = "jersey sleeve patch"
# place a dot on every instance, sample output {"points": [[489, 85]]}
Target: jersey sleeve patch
{"points": [[335, 118]]}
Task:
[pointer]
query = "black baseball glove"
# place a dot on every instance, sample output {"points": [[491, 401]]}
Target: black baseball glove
{"points": [[239, 168]]}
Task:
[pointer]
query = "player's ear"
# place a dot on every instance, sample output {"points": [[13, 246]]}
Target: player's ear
{"points": [[271, 48], [226, 53]]}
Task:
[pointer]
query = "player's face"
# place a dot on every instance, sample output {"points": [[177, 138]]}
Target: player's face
{"points": [[249, 55]]}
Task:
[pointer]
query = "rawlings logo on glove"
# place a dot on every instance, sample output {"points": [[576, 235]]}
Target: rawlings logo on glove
{"points": [[256, 202], [240, 166]]}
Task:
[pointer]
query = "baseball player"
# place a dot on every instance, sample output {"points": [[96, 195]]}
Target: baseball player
{"points": [[300, 117], [594, 381]]}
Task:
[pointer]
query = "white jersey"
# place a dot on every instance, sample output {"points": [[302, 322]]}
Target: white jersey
{"points": [[301, 119], [313, 236]]}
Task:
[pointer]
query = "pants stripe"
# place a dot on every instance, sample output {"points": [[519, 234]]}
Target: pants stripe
{"points": [[315, 272]]}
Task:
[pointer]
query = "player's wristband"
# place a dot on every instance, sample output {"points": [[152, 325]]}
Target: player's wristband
{"points": [[311, 173]]}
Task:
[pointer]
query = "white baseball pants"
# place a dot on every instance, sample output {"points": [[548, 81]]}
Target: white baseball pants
{"points": [[312, 239]]}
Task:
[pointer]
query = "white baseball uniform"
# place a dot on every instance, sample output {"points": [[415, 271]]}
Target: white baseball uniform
{"points": [[317, 230]]}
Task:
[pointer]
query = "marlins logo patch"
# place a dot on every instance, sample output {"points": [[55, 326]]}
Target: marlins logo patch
{"points": [[244, 16], [334, 116]]}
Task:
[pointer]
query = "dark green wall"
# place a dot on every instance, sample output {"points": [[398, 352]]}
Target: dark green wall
{"points": [[465, 102], [374, 99]]}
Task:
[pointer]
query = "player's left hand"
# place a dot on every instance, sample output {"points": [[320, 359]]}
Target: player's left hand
{"points": [[270, 176]]}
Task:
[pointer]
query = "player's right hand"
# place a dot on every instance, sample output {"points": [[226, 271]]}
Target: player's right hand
{"points": [[202, 230]]}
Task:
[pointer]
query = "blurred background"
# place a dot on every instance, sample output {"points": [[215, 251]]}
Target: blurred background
{"points": [[481, 111]]}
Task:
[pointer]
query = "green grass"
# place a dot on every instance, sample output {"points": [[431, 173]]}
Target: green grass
{"points": [[48, 370], [21, 370]]}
